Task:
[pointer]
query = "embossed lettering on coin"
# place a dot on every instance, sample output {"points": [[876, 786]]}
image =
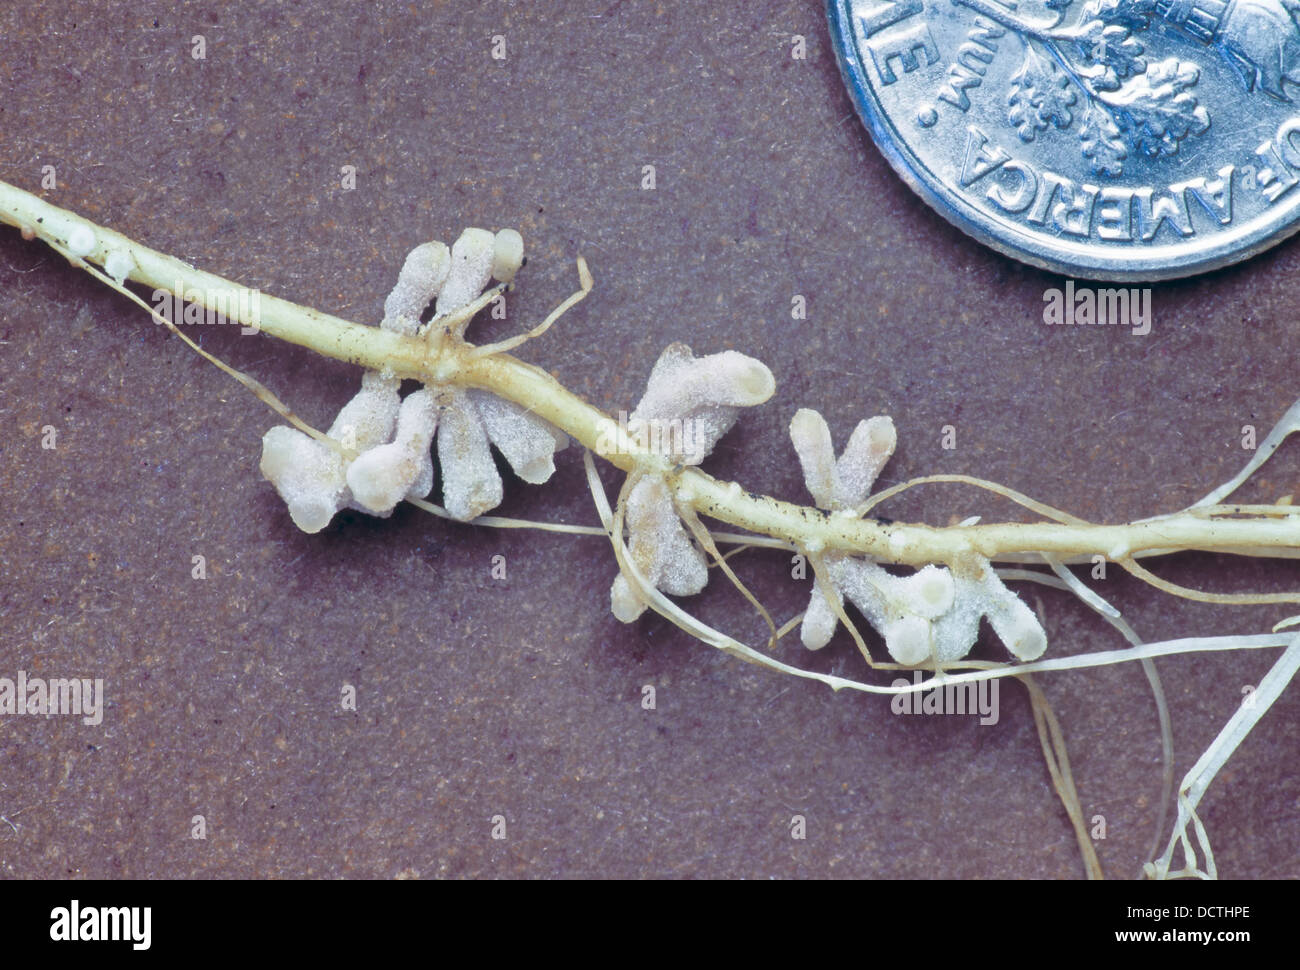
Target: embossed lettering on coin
{"points": [[1122, 139]]}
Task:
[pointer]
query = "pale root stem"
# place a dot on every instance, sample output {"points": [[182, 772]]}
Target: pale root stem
{"points": [[788, 625], [1198, 779], [371, 347], [702, 536], [585, 283], [453, 362], [1186, 592], [1067, 581], [823, 583], [1042, 508], [1052, 741], [1077, 587], [1289, 423], [256, 387], [505, 522]]}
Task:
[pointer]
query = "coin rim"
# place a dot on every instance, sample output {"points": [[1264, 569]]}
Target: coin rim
{"points": [[1171, 262]]}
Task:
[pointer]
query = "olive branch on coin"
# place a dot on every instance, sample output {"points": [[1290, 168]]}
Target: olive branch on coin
{"points": [[1133, 104]]}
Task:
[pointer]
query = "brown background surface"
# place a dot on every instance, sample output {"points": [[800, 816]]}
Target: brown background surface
{"points": [[521, 697]]}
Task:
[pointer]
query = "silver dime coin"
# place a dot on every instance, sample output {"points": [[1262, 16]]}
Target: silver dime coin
{"points": [[1112, 139]]}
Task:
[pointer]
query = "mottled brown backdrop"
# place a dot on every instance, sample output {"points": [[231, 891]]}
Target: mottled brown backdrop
{"points": [[521, 698]]}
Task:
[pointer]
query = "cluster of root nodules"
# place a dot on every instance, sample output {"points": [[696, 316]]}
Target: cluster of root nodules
{"points": [[930, 616], [378, 451]]}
